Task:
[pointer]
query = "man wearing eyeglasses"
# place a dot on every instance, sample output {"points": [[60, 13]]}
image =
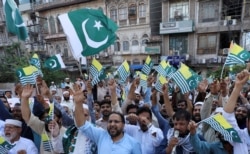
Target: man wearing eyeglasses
{"points": [[112, 141], [12, 133]]}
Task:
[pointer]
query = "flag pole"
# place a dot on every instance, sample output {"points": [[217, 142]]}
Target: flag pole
{"points": [[80, 66], [222, 71]]}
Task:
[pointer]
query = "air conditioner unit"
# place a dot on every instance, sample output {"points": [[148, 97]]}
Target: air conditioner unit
{"points": [[176, 53], [232, 22], [225, 51], [225, 22]]}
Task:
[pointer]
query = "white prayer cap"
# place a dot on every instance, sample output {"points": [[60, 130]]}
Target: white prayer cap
{"points": [[53, 89], [198, 103], [85, 106], [13, 122], [218, 110], [65, 92]]}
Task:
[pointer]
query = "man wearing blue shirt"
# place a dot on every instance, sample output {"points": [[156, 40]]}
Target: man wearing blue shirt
{"points": [[112, 142]]}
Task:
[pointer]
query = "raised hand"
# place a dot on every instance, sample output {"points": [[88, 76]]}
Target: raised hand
{"points": [[242, 78], [27, 91], [78, 94], [192, 127], [165, 89], [112, 84]]}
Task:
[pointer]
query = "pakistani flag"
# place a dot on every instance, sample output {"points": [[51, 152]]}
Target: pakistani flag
{"points": [[237, 55], [88, 31], [185, 78], [160, 82], [4, 145], [14, 21], [55, 63], [220, 124], [124, 71], [146, 69], [27, 75]]}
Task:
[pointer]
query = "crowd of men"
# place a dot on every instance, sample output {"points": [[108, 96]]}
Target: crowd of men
{"points": [[110, 118]]}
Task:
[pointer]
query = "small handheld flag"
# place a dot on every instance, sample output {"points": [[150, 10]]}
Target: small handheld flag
{"points": [[220, 124], [124, 71], [54, 63], [160, 82], [146, 69]]}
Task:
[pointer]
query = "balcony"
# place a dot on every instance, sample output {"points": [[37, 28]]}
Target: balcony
{"points": [[43, 5], [176, 27]]}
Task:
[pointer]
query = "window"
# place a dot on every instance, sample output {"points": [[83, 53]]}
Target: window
{"points": [[142, 10], [179, 11], [132, 11], [117, 46], [207, 44], [59, 26], [113, 14], [231, 9], [178, 44], [123, 13], [3, 38], [125, 45], [52, 25], [58, 49], [209, 11], [135, 43]]}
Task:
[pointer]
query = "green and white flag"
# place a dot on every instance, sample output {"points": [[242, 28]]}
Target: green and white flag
{"points": [[4, 145], [54, 63], [88, 31], [14, 21]]}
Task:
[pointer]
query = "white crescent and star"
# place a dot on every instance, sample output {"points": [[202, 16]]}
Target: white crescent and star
{"points": [[243, 55], [90, 42], [53, 65], [191, 83], [19, 74]]}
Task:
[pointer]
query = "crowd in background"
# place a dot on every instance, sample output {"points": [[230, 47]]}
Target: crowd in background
{"points": [[124, 118]]}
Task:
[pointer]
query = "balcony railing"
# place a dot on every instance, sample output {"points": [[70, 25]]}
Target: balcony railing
{"points": [[42, 5]]}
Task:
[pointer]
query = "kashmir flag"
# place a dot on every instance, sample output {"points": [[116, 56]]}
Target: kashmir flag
{"points": [[88, 31], [146, 69], [98, 78], [124, 71], [96, 68], [36, 62], [160, 82], [47, 145], [5, 146], [54, 63], [185, 79], [220, 124], [14, 21], [165, 69], [236, 55], [27, 75], [143, 81]]}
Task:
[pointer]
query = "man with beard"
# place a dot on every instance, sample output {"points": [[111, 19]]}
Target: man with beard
{"points": [[196, 116], [26, 131], [67, 101], [146, 133], [12, 133], [241, 116], [229, 114], [37, 124], [114, 140]]}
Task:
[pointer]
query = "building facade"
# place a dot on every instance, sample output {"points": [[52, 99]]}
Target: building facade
{"points": [[202, 30]]}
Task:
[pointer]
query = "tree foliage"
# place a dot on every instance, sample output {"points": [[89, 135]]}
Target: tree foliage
{"points": [[14, 57]]}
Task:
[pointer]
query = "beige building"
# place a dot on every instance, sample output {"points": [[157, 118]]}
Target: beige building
{"points": [[134, 40], [202, 30]]}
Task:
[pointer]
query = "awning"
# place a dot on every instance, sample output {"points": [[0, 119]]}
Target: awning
{"points": [[136, 66]]}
